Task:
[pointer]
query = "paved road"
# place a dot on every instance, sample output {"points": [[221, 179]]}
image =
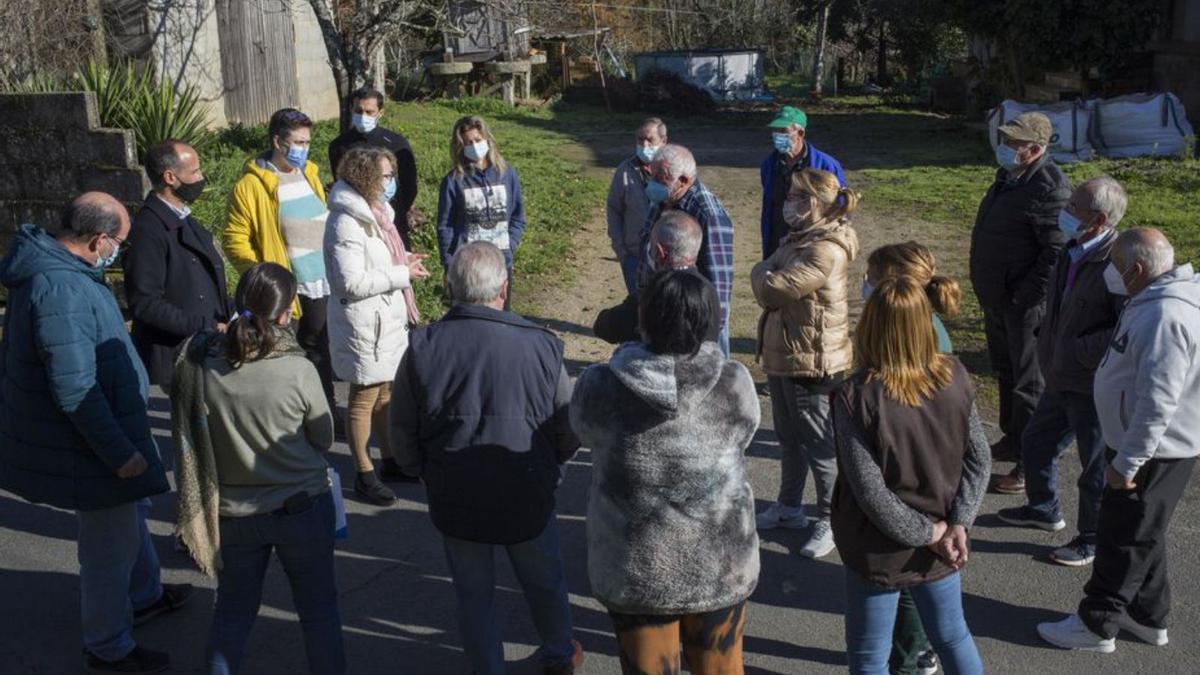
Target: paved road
{"points": [[396, 598]]}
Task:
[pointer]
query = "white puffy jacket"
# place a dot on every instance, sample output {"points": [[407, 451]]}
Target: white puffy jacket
{"points": [[368, 319]]}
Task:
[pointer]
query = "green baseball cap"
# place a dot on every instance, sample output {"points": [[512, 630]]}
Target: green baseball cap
{"points": [[787, 117]]}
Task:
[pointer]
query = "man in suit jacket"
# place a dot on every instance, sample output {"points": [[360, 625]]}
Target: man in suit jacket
{"points": [[174, 276]]}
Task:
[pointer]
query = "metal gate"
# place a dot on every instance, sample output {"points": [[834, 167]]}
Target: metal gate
{"points": [[258, 58]]}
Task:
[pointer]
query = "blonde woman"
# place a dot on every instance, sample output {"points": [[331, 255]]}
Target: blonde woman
{"points": [[371, 306], [916, 260], [804, 343], [480, 199], [914, 467]]}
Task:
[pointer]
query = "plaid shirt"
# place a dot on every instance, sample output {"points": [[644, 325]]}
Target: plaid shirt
{"points": [[715, 260]]}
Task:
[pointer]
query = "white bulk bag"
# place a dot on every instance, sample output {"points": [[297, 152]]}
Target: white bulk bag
{"points": [[1140, 124], [1070, 141]]}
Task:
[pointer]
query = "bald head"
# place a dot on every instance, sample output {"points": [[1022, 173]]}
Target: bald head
{"points": [[1141, 256], [91, 214], [675, 240]]}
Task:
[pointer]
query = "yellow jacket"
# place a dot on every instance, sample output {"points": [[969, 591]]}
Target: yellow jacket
{"points": [[252, 219]]}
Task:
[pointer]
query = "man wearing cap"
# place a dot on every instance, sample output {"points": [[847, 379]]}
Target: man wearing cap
{"points": [[792, 152], [1014, 245]]}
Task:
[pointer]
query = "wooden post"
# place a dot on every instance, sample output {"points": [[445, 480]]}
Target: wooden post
{"points": [[566, 69]]}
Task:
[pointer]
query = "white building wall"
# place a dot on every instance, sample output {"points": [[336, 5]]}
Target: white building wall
{"points": [[314, 78]]}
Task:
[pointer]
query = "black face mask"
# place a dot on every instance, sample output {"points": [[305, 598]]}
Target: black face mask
{"points": [[190, 192]]}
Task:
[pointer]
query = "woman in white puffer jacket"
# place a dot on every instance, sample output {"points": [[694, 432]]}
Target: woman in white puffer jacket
{"points": [[371, 305]]}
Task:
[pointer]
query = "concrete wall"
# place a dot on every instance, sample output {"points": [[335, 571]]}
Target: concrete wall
{"points": [[51, 149], [317, 89]]}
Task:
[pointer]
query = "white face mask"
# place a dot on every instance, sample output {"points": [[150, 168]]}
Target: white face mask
{"points": [[1114, 280], [365, 124], [476, 151]]}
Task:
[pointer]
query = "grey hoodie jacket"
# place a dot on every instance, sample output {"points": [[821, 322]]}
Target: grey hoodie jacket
{"points": [[671, 515], [1148, 386]]}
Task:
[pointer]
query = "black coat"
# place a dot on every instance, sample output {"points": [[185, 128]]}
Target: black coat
{"points": [[1016, 238], [406, 169], [619, 324], [174, 285]]}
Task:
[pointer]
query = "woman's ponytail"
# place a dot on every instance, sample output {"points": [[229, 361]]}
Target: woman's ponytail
{"points": [[944, 295], [264, 293], [847, 201]]}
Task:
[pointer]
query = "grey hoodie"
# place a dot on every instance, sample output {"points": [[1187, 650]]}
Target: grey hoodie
{"points": [[671, 515], [1148, 386]]}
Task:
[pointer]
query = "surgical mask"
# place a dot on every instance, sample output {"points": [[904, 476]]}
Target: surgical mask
{"points": [[866, 289], [1068, 223], [656, 192], [783, 142], [646, 152], [190, 192], [107, 261], [1006, 157], [389, 189], [1114, 280], [365, 124], [476, 151], [792, 216], [297, 156]]}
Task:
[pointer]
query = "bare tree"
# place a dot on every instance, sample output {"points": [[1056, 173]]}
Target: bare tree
{"points": [[354, 33], [818, 65]]}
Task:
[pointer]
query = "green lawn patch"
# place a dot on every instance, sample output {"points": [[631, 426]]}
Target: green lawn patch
{"points": [[559, 197]]}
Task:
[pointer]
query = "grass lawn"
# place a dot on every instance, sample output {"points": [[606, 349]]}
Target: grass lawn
{"points": [[558, 196]]}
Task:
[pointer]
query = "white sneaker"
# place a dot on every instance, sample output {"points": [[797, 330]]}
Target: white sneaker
{"points": [[1073, 633], [820, 544], [1147, 634], [780, 515]]}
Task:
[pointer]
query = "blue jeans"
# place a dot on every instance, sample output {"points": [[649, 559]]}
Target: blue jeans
{"points": [[304, 543], [629, 270], [1059, 417], [871, 616], [539, 568], [118, 575]]}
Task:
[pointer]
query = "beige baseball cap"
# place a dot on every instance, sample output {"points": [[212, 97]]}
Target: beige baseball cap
{"points": [[1030, 126]]}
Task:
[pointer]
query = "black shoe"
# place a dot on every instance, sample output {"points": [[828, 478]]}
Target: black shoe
{"points": [[390, 470], [173, 597], [1005, 450], [368, 486], [139, 660]]}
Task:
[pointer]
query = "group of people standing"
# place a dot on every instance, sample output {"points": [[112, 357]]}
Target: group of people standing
{"points": [[479, 407]]}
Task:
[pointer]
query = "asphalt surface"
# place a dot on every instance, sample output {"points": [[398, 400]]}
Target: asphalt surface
{"points": [[397, 602]]}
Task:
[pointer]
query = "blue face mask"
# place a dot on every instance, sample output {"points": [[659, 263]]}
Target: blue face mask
{"points": [[866, 289], [365, 124], [297, 156], [1069, 224], [389, 189], [783, 142], [1006, 157], [656, 192], [109, 260], [646, 153]]}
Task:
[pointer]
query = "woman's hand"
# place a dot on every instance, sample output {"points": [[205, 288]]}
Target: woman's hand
{"points": [[939, 531], [416, 266], [953, 547]]}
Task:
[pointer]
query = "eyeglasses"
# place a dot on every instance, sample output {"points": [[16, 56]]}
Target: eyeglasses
{"points": [[389, 176], [120, 241]]}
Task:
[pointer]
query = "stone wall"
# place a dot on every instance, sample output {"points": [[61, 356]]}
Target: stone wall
{"points": [[52, 149]]}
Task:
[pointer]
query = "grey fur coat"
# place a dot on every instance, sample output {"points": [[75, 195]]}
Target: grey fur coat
{"points": [[671, 515]]}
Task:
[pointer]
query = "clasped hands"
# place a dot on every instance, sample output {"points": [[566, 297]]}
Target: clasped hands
{"points": [[950, 544]]}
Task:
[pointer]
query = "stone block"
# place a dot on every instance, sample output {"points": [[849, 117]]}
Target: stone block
{"points": [[112, 147], [58, 110], [127, 185]]}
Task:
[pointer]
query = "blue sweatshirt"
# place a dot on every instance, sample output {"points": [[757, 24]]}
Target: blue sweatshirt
{"points": [[480, 206]]}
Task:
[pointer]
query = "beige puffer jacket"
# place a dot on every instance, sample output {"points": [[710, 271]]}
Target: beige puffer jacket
{"points": [[803, 289]]}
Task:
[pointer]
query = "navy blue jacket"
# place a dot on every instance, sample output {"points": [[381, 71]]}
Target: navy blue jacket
{"points": [[174, 285], [480, 413], [812, 159], [72, 389]]}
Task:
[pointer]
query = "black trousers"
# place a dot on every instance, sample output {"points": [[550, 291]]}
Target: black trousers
{"points": [[313, 335], [1129, 574], [1012, 350]]}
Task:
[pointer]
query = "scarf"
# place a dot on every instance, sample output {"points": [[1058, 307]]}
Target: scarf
{"points": [[395, 244], [196, 480]]}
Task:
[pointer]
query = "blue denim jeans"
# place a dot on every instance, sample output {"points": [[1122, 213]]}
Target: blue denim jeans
{"points": [[118, 575], [871, 616], [539, 568], [629, 271], [1059, 418], [304, 543]]}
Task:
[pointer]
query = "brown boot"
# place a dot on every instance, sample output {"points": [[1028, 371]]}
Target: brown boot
{"points": [[1013, 483]]}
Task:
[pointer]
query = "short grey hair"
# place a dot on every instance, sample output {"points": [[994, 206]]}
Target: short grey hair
{"points": [[1148, 246], [660, 127], [679, 160], [477, 273], [1107, 196], [90, 214], [680, 235]]}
